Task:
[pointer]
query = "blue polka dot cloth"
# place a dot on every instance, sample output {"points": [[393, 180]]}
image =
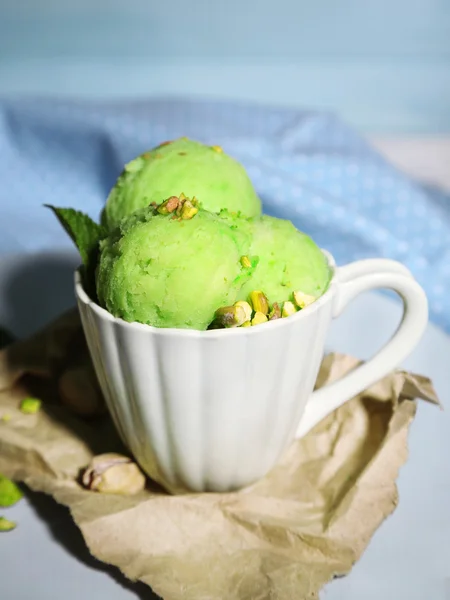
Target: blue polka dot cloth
{"points": [[307, 166]]}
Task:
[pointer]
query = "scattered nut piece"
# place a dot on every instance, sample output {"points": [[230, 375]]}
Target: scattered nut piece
{"points": [[188, 209], [247, 309], [259, 302], [288, 309], [169, 206], [230, 316], [302, 300], [275, 313], [6, 418], [6, 525], [259, 318], [217, 149], [10, 494], [245, 262], [113, 474], [30, 406]]}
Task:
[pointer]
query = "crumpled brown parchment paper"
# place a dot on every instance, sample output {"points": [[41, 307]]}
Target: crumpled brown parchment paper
{"points": [[284, 537]]}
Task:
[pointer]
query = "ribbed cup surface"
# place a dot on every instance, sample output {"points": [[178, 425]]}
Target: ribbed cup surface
{"points": [[206, 411]]}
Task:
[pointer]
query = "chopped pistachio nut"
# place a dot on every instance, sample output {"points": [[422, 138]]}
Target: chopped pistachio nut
{"points": [[275, 312], [246, 324], [247, 309], [30, 406], [230, 316], [113, 474], [169, 206], [302, 300], [9, 492], [217, 149], [188, 209], [259, 318], [259, 302], [182, 197], [6, 418], [246, 262], [6, 525], [288, 309]]}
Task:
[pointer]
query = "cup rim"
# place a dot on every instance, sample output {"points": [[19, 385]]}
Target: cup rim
{"points": [[212, 333]]}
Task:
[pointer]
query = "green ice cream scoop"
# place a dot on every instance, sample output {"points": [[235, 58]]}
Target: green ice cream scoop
{"points": [[182, 167], [165, 271], [289, 261], [169, 272]]}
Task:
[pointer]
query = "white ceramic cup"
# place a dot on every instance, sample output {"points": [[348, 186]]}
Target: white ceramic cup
{"points": [[214, 410]]}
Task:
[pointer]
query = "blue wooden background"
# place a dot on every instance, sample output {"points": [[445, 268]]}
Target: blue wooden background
{"points": [[383, 64]]}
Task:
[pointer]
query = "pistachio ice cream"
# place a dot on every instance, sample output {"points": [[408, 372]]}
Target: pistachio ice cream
{"points": [[177, 265], [183, 244], [171, 272], [187, 167]]}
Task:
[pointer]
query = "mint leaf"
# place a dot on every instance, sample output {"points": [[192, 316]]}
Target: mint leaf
{"points": [[84, 232]]}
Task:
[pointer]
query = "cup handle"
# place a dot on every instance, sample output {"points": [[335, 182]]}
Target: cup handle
{"points": [[351, 280]]}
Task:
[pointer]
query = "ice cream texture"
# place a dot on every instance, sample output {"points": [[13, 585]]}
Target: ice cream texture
{"points": [[166, 271], [182, 166]]}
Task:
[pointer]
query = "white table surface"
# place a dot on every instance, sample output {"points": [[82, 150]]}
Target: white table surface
{"points": [[408, 558]]}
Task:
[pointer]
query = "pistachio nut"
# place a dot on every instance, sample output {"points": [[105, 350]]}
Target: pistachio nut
{"points": [[6, 418], [230, 316], [168, 206], [247, 309], [217, 149], [275, 312], [113, 474], [246, 262], [10, 494], [6, 525], [259, 302], [188, 210], [259, 318], [288, 309], [30, 406], [302, 300]]}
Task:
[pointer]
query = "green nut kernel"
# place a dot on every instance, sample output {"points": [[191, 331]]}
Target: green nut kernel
{"points": [[246, 307], [230, 316], [30, 406], [275, 312], [259, 318], [259, 302], [10, 494], [302, 300], [288, 309], [6, 525]]}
